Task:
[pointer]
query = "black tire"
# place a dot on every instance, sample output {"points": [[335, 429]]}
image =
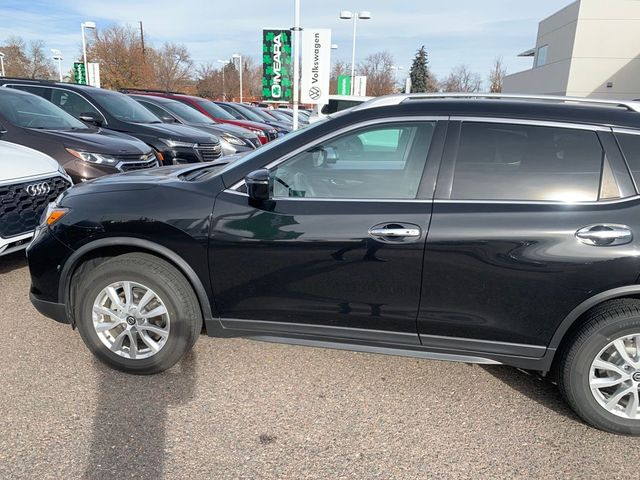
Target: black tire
{"points": [[606, 323], [167, 282]]}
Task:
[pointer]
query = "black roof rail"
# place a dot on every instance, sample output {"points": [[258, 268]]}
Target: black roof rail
{"points": [[148, 90]]}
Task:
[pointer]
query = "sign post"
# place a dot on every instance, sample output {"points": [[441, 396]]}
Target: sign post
{"points": [[316, 65], [79, 73], [276, 65]]}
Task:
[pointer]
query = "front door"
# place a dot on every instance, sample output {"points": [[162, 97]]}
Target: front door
{"points": [[338, 250]]}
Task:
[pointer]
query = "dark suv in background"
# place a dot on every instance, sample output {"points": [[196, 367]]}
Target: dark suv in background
{"points": [[84, 152], [482, 229], [173, 144]]}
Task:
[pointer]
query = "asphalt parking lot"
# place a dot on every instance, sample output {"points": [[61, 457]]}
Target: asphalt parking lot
{"points": [[244, 409]]}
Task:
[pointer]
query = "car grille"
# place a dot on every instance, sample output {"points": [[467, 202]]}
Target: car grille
{"points": [[209, 151], [255, 141], [272, 135], [21, 207], [129, 163]]}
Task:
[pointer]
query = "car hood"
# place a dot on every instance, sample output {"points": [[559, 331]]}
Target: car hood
{"points": [[98, 141], [232, 129], [176, 132], [18, 162]]}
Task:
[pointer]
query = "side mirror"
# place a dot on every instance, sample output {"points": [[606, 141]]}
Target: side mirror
{"points": [[2, 129], [258, 185], [329, 155], [168, 119], [91, 118]]}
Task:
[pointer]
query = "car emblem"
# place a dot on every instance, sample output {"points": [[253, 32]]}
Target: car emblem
{"points": [[38, 189]]}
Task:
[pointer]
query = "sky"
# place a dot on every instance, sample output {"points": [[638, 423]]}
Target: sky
{"points": [[454, 32]]}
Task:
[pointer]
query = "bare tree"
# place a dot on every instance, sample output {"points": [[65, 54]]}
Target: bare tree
{"points": [[172, 66], [40, 64], [118, 49], [28, 61], [461, 79], [380, 77], [496, 76]]}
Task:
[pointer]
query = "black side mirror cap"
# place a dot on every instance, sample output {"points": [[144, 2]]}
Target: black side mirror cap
{"points": [[258, 185], [91, 118]]}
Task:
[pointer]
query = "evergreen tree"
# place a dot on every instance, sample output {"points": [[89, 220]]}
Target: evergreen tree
{"points": [[419, 73]]}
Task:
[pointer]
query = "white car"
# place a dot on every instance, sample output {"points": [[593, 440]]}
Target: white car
{"points": [[335, 104], [29, 181]]}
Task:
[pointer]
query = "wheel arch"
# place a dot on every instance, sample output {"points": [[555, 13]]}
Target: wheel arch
{"points": [[113, 246]]}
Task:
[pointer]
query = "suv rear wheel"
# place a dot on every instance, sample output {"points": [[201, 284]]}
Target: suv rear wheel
{"points": [[600, 371], [137, 313]]}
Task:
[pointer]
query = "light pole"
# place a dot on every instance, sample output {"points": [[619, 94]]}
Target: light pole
{"points": [[57, 56], [296, 58], [239, 57], [84, 25], [349, 15], [395, 69], [224, 91], [2, 64]]}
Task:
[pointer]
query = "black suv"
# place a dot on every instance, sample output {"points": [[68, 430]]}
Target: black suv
{"points": [[173, 144], [487, 230]]}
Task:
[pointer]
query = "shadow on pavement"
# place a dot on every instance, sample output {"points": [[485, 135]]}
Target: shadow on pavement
{"points": [[533, 386], [129, 424], [12, 261]]}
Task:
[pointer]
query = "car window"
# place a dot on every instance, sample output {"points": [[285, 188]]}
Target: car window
{"points": [[187, 113], [72, 103], [156, 110], [235, 114], [122, 107], [32, 111], [382, 161], [214, 110], [630, 145], [499, 161]]}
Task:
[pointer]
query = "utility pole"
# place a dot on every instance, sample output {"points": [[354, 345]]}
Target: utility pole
{"points": [[142, 38]]}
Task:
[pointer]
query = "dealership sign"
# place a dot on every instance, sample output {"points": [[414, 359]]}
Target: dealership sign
{"points": [[276, 65], [315, 65]]}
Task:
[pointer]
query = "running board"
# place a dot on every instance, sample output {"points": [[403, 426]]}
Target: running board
{"points": [[354, 347]]}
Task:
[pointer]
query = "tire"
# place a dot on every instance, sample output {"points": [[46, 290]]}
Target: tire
{"points": [[172, 329], [613, 321]]}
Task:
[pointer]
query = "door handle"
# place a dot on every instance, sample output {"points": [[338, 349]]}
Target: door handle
{"points": [[394, 232], [605, 235]]}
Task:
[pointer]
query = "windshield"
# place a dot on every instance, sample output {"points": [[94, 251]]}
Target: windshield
{"points": [[263, 115], [248, 113], [214, 110], [283, 117], [31, 111], [187, 113], [123, 108]]}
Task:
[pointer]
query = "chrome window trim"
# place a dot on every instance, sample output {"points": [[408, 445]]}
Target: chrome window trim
{"points": [[347, 129], [626, 131], [534, 123], [8, 85], [318, 199], [540, 202]]}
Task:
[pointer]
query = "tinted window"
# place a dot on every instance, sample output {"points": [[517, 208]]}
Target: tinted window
{"points": [[156, 110], [383, 161], [630, 145], [124, 108], [31, 111], [521, 162], [214, 110], [188, 114], [72, 103]]}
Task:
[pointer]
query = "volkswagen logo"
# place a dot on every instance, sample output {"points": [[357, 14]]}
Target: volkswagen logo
{"points": [[315, 93], [38, 189]]}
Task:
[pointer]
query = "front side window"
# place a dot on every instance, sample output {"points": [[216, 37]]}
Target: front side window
{"points": [[72, 103], [498, 161], [31, 111], [378, 162]]}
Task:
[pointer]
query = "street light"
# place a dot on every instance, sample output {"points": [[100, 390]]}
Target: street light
{"points": [[2, 64], [395, 69], [334, 46], [349, 15], [84, 25], [224, 90], [239, 57], [57, 56]]}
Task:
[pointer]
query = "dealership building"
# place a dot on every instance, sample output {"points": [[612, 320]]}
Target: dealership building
{"points": [[591, 48]]}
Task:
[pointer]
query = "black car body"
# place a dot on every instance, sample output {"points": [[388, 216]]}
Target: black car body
{"points": [[245, 112], [233, 139], [173, 144], [85, 152], [488, 231]]}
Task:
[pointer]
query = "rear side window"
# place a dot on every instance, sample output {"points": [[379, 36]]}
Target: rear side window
{"points": [[72, 103], [630, 145], [499, 161]]}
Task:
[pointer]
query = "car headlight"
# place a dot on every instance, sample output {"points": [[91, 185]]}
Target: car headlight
{"points": [[97, 158], [258, 132], [177, 143], [231, 139]]}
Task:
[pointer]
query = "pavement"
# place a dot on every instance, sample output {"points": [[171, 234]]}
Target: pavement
{"points": [[242, 409]]}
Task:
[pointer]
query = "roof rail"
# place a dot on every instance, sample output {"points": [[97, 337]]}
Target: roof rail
{"points": [[148, 90], [633, 106]]}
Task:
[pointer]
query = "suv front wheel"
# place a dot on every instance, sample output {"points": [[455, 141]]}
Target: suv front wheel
{"points": [[600, 371], [137, 313]]}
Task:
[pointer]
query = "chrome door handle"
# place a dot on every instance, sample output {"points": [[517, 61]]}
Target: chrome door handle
{"points": [[605, 235], [395, 232]]}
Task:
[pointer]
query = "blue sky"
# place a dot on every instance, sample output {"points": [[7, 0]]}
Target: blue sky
{"points": [[471, 32]]}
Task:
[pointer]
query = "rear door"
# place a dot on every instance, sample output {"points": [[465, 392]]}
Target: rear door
{"points": [[338, 250], [529, 220]]}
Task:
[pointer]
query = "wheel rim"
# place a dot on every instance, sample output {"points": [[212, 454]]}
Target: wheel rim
{"points": [[131, 320], [614, 377]]}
